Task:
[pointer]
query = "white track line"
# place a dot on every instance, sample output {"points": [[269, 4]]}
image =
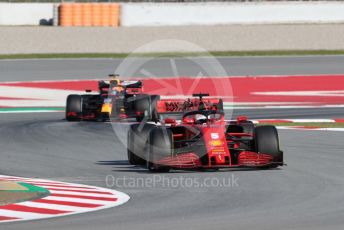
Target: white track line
{"points": [[297, 120], [55, 206], [79, 200], [311, 129], [21, 215], [80, 194]]}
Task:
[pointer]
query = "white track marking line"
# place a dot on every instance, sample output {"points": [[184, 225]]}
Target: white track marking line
{"points": [[21, 215], [33, 111], [34, 93], [54, 206], [311, 120], [311, 129], [52, 191], [79, 200], [34, 97], [317, 93], [298, 120], [333, 129], [46, 183], [294, 120], [52, 188]]}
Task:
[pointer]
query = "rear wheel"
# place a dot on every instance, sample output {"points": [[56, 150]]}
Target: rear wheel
{"points": [[74, 107], [146, 107], [267, 142], [160, 145]]}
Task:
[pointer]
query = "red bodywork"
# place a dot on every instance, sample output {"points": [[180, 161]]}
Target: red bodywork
{"points": [[216, 142]]}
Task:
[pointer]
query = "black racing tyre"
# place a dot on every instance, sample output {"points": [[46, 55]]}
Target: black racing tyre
{"points": [[147, 106], [136, 142], [160, 145], [267, 142], [74, 107]]}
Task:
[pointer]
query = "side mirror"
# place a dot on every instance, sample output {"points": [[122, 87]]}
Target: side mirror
{"points": [[188, 120], [169, 120], [88, 90], [242, 119]]}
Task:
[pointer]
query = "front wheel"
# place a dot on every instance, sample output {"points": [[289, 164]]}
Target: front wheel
{"points": [[74, 107], [267, 141], [160, 144], [137, 138]]}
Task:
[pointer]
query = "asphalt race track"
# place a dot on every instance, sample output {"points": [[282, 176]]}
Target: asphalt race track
{"points": [[54, 69], [306, 194]]}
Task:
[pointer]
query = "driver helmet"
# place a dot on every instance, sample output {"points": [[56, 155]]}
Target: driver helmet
{"points": [[116, 90]]}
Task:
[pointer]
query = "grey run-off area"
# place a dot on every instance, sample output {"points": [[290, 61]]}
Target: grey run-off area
{"points": [[214, 38]]}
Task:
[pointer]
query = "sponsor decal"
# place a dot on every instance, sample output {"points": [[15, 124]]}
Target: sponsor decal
{"points": [[216, 143], [215, 136]]}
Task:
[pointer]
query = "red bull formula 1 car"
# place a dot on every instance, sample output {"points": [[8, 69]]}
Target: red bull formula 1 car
{"points": [[203, 139], [117, 99]]}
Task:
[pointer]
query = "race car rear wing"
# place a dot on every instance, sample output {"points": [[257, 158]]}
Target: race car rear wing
{"points": [[133, 91], [182, 106], [130, 87], [170, 106]]}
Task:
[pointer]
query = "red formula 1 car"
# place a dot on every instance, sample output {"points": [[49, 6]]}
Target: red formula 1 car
{"points": [[117, 99], [203, 139]]}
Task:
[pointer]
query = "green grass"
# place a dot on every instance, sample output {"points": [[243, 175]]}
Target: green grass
{"points": [[176, 54], [309, 124]]}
